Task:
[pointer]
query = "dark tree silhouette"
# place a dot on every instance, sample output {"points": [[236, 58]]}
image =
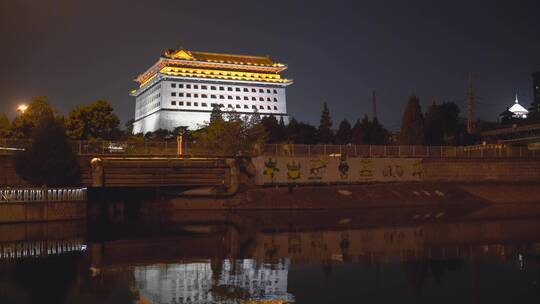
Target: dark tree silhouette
{"points": [[376, 133], [343, 135], [93, 121], [412, 123], [325, 127], [49, 161], [23, 125], [359, 131], [4, 126], [301, 133], [216, 113], [274, 129], [441, 123]]}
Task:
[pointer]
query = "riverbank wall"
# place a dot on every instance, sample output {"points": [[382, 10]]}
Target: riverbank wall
{"points": [[283, 170], [23, 205], [20, 212], [342, 170]]}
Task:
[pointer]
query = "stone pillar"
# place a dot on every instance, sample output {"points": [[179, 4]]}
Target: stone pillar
{"points": [[97, 172]]}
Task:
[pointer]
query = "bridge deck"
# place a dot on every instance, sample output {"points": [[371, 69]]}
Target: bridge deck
{"points": [[163, 172]]}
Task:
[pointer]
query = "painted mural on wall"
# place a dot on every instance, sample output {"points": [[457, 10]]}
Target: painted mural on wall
{"points": [[340, 169]]}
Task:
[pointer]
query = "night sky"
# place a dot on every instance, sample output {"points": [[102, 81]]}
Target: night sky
{"points": [[337, 51]]}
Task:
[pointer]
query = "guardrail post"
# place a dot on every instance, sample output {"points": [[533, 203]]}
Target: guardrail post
{"points": [[427, 151], [520, 151], [370, 151], [324, 149]]}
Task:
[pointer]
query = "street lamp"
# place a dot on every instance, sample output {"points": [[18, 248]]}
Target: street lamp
{"points": [[21, 108]]}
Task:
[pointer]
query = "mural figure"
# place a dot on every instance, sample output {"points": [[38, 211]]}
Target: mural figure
{"points": [[366, 173], [418, 170], [317, 167], [393, 170], [293, 170], [343, 167], [344, 244], [270, 168]]}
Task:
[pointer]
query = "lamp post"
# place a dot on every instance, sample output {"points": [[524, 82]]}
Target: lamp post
{"points": [[22, 108]]}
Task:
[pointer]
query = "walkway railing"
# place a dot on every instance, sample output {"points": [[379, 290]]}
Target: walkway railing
{"points": [[15, 250], [479, 151], [41, 194], [169, 148]]}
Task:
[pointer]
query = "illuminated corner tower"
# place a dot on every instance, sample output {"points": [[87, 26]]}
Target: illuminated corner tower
{"points": [[183, 86]]}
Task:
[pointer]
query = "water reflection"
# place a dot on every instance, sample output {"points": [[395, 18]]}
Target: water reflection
{"points": [[459, 254], [226, 281]]}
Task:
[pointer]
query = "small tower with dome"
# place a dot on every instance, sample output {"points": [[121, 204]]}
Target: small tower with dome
{"points": [[517, 110]]}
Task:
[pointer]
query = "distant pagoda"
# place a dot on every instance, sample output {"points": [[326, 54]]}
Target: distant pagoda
{"points": [[517, 110]]}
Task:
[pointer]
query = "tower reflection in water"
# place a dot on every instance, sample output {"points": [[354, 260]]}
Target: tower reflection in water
{"points": [[206, 281], [379, 255]]}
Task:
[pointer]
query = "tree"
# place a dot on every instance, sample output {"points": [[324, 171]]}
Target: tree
{"points": [[216, 114], [233, 115], [50, 160], [369, 132], [24, 124], [441, 123], [222, 137], [160, 134], [301, 133], [412, 123], [274, 129], [343, 135], [4, 126], [93, 121], [255, 118], [359, 131], [129, 126], [376, 133], [325, 126]]}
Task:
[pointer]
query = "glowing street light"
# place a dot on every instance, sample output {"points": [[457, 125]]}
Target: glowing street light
{"points": [[21, 108]]}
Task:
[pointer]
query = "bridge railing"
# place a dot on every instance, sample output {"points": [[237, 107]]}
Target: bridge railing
{"points": [[41, 194]]}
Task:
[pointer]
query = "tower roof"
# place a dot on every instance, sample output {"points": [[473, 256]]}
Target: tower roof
{"points": [[220, 57], [517, 108]]}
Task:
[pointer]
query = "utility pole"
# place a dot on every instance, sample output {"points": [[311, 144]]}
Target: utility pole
{"points": [[470, 106], [374, 104]]}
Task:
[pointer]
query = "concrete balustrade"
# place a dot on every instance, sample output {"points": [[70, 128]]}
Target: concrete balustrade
{"points": [[14, 250]]}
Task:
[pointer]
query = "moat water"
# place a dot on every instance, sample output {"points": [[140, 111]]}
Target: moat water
{"points": [[410, 255]]}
